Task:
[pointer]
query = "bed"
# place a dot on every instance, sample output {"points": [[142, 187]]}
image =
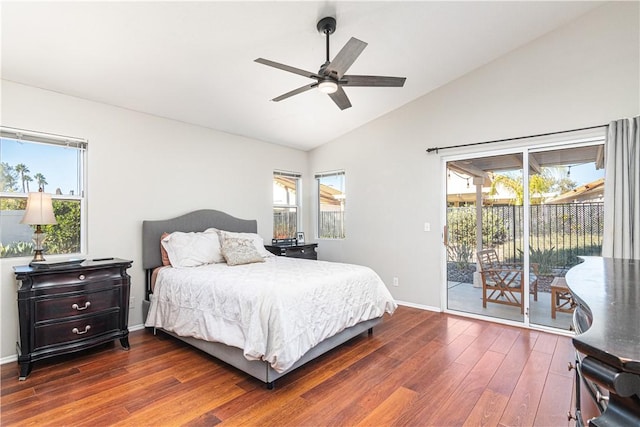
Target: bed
{"points": [[279, 313]]}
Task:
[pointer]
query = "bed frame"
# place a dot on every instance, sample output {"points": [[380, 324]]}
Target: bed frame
{"points": [[200, 220]]}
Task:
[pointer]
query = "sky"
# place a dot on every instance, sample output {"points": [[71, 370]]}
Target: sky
{"points": [[586, 173], [58, 164]]}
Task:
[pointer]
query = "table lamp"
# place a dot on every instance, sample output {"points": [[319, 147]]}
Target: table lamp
{"points": [[39, 212]]}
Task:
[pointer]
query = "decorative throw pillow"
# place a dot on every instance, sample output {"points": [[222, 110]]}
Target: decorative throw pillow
{"points": [[257, 241], [192, 249], [163, 251], [240, 251]]}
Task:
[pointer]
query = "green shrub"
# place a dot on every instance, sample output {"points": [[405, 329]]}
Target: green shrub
{"points": [[461, 226], [15, 249], [461, 253], [545, 258]]}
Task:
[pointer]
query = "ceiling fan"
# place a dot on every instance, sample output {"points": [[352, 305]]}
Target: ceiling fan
{"points": [[331, 77]]}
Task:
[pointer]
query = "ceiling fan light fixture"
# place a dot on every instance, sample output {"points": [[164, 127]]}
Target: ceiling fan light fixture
{"points": [[331, 77], [328, 86]]}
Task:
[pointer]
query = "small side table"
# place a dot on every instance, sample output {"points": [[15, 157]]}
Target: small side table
{"points": [[305, 251], [561, 299]]}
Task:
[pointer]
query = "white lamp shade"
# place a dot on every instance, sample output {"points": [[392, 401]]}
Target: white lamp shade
{"points": [[39, 210]]}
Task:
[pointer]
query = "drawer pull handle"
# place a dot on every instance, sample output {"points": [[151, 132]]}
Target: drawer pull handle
{"points": [[77, 307], [81, 277], [600, 397], [77, 332]]}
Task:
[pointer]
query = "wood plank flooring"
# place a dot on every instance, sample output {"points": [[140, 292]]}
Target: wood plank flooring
{"points": [[419, 368]]}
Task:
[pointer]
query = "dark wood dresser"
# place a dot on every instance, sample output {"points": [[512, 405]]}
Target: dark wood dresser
{"points": [[607, 341], [306, 251], [68, 308]]}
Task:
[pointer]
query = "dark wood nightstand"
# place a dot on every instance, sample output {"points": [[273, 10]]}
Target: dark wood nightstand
{"points": [[68, 308], [306, 251]]}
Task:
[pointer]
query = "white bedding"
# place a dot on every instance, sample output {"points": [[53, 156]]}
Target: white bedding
{"points": [[275, 311]]}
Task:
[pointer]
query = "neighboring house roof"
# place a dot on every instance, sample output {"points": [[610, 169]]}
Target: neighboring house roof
{"points": [[328, 195], [590, 192]]}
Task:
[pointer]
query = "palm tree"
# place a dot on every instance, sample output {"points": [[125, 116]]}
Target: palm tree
{"points": [[513, 185], [41, 180], [27, 179], [23, 170], [539, 184]]}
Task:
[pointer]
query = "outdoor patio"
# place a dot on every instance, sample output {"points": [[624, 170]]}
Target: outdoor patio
{"points": [[467, 298]]}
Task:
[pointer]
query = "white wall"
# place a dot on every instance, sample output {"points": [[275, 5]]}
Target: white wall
{"points": [[143, 167], [584, 74]]}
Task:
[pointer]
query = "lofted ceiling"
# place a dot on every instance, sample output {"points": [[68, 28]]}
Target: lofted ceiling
{"points": [[194, 61]]}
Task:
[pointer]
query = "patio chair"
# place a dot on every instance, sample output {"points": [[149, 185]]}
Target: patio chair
{"points": [[502, 282]]}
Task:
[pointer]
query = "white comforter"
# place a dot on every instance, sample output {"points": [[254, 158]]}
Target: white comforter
{"points": [[275, 311]]}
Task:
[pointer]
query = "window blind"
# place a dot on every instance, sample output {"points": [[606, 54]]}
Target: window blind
{"points": [[325, 174], [43, 138]]}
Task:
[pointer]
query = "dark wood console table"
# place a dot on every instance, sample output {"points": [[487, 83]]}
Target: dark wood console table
{"points": [[607, 322]]}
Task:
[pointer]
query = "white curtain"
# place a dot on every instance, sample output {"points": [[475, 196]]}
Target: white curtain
{"points": [[621, 192]]}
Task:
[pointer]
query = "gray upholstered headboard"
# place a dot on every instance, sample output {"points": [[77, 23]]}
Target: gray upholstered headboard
{"points": [[194, 221]]}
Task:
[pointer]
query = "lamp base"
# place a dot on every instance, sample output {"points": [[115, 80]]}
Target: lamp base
{"points": [[38, 256]]}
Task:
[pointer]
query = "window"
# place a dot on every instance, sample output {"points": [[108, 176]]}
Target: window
{"points": [[331, 204], [30, 161], [286, 204]]}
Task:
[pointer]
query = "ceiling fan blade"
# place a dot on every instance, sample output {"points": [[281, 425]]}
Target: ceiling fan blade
{"points": [[346, 57], [288, 68], [295, 92], [340, 98], [379, 81]]}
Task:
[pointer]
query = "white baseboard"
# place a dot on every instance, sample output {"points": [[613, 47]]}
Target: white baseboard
{"points": [[9, 359], [420, 306], [136, 327]]}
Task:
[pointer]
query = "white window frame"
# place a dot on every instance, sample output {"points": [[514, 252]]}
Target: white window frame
{"points": [[298, 202], [79, 144], [317, 177]]}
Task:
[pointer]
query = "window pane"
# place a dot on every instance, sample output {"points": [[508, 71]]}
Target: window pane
{"points": [[285, 222], [55, 168], [285, 205], [332, 199], [27, 166], [285, 190], [62, 238]]}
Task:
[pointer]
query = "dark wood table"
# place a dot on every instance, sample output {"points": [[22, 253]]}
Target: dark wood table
{"points": [[607, 317]]}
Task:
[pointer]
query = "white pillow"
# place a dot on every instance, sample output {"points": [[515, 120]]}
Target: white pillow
{"points": [[193, 249], [258, 242]]}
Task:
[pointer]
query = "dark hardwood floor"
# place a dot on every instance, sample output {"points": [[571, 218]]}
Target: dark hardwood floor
{"points": [[418, 369]]}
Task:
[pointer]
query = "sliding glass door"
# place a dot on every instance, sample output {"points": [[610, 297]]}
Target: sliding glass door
{"points": [[512, 236], [485, 222], [566, 203]]}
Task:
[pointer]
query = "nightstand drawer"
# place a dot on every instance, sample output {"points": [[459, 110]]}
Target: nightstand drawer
{"points": [[56, 308], [75, 330], [306, 253], [52, 283]]}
